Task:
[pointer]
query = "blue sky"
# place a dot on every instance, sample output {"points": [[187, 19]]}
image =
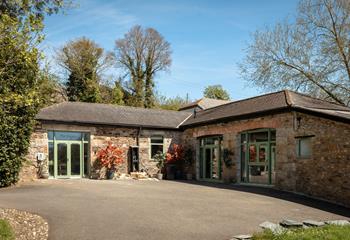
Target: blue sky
{"points": [[207, 38]]}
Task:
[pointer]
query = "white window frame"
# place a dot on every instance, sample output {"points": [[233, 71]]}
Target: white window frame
{"points": [[157, 144]]}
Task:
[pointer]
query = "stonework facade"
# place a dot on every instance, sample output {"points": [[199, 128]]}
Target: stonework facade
{"points": [[325, 174], [100, 136]]}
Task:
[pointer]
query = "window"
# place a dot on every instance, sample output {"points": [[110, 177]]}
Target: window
{"points": [[156, 145], [304, 147]]}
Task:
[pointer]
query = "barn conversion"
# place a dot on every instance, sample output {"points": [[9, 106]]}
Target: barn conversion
{"points": [[284, 139]]}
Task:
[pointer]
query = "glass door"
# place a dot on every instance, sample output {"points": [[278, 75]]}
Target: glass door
{"points": [[210, 158], [258, 156], [62, 159], [68, 159]]}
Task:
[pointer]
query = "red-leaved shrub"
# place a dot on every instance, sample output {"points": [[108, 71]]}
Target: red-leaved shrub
{"points": [[175, 154], [110, 156]]}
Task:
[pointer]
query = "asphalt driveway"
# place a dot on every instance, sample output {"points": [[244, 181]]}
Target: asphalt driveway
{"points": [[91, 209]]}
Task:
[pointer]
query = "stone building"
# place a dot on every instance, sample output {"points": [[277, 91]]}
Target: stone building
{"points": [[284, 140]]}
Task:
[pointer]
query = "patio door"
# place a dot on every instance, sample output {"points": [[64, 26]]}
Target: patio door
{"points": [[258, 156], [68, 159], [210, 158]]}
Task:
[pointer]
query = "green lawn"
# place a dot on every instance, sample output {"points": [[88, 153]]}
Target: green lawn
{"points": [[329, 232], [6, 232]]}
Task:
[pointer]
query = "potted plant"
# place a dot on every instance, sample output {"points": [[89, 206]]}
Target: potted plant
{"points": [[110, 157], [175, 161], [160, 159]]}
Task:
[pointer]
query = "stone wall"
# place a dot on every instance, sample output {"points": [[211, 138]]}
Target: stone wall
{"points": [[100, 136], [38, 143], [230, 132], [326, 174]]}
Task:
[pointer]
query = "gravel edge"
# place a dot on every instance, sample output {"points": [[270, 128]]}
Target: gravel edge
{"points": [[26, 226]]}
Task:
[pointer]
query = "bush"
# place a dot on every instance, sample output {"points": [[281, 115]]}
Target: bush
{"points": [[18, 96], [6, 232], [110, 157]]}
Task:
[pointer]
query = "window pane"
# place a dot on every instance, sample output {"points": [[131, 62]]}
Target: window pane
{"points": [[157, 139], [62, 159], [86, 159], [51, 160], [243, 138], [155, 149], [273, 135], [209, 141], [262, 153], [86, 136], [68, 135], [252, 153], [243, 165], [50, 135], [258, 137], [305, 147], [258, 174], [75, 159]]}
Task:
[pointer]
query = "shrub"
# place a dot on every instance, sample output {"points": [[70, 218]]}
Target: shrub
{"points": [[175, 154], [160, 159], [110, 157], [6, 232]]}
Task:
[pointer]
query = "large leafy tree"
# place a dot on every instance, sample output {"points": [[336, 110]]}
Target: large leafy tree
{"points": [[21, 24], [310, 54], [216, 92], [142, 53], [84, 60]]}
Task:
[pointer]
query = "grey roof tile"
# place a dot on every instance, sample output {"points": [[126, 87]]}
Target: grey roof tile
{"points": [[94, 113]]}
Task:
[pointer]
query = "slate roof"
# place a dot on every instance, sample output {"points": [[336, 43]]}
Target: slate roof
{"points": [[281, 100], [94, 113], [204, 103]]}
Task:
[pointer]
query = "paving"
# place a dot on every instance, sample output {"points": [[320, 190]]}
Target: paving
{"points": [[130, 209]]}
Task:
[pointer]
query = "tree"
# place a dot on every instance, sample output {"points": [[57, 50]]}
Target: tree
{"points": [[170, 103], [85, 61], [118, 94], [21, 24], [310, 54], [142, 53], [216, 92], [50, 90]]}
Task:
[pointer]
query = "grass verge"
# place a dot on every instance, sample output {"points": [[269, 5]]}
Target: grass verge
{"points": [[328, 232], [6, 232]]}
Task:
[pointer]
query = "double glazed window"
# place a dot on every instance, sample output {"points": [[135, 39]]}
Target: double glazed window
{"points": [[157, 145], [304, 147]]}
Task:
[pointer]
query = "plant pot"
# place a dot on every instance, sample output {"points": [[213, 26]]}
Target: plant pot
{"points": [[45, 175], [160, 176], [189, 176], [110, 174]]}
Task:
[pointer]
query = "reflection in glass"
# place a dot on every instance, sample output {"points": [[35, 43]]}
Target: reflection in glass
{"points": [[62, 159], [215, 163], [252, 153], [207, 163], [51, 159], [262, 153], [258, 174], [68, 136], [86, 159], [258, 137], [75, 159]]}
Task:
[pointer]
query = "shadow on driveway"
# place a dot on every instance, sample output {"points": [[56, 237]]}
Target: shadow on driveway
{"points": [[278, 194]]}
